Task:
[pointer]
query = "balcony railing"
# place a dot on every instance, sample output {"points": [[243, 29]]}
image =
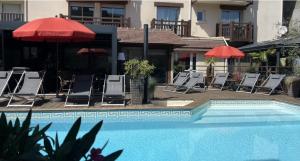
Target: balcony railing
{"points": [[11, 17], [238, 32], [181, 28], [114, 21]]}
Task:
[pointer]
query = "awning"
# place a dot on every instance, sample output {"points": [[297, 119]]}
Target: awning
{"points": [[283, 42], [199, 44], [136, 36]]}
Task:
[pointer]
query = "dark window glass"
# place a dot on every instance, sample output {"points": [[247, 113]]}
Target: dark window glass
{"points": [[76, 11], [167, 13], [200, 16], [107, 12], [230, 16], [112, 12], [88, 11]]}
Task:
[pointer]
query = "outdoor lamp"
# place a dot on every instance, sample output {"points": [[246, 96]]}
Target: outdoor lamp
{"points": [[121, 56]]}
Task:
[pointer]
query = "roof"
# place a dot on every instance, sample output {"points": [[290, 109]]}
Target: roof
{"points": [[200, 43], [136, 36], [273, 43]]}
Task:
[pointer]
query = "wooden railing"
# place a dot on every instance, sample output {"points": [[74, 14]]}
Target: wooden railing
{"points": [[114, 21], [181, 28], [11, 17], [242, 32]]}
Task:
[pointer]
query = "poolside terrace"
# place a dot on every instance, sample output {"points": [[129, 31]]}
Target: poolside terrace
{"points": [[198, 99]]}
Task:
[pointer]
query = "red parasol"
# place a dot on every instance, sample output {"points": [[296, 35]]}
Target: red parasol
{"points": [[224, 52], [54, 30]]}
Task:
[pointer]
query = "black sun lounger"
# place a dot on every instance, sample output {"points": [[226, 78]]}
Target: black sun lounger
{"points": [[270, 84], [178, 80], [80, 89], [219, 80], [248, 83], [195, 82], [28, 87], [114, 90], [4, 79]]}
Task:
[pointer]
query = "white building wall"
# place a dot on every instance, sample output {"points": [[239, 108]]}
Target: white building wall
{"points": [[212, 14], [143, 11], [266, 17], [46, 8]]}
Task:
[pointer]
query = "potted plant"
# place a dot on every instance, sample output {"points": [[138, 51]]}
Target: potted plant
{"points": [[138, 70], [292, 85]]}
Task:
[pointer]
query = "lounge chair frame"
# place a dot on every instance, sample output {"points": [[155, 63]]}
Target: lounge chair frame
{"points": [[174, 79], [23, 96], [279, 84], [194, 85], [71, 89], [221, 85], [123, 97], [241, 85], [9, 74]]}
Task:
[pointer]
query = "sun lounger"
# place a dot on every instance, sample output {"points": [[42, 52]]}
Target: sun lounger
{"points": [[80, 89], [195, 82], [270, 84], [4, 79], [114, 90], [219, 80], [27, 89], [248, 83], [178, 80]]}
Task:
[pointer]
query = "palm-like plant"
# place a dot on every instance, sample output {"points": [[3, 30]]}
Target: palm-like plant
{"points": [[209, 69], [262, 56]]}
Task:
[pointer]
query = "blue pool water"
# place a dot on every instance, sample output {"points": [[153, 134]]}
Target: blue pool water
{"points": [[216, 131]]}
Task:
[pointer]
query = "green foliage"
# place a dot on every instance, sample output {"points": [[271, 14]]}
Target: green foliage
{"points": [[251, 69], [262, 56], [210, 61], [138, 68], [20, 142]]}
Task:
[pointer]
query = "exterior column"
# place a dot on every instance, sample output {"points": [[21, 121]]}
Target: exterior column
{"points": [[114, 54], [191, 61], [171, 67]]}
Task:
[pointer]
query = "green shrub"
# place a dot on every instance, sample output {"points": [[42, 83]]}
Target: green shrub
{"points": [[138, 68], [22, 143]]}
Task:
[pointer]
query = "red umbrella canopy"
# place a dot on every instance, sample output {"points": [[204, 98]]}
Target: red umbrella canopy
{"points": [[54, 30], [224, 52]]}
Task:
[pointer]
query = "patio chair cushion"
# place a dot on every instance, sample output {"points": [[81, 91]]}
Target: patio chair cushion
{"points": [[3, 75], [33, 75], [195, 75], [114, 78]]}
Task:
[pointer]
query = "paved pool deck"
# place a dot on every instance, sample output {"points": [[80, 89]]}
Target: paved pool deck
{"points": [[198, 99]]}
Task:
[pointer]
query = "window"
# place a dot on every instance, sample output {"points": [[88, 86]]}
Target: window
{"points": [[200, 16], [113, 12], [230, 16], [168, 13], [11, 8], [78, 11]]}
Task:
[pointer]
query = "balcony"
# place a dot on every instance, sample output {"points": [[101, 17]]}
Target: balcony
{"points": [[8, 17], [236, 32], [114, 21], [181, 28]]}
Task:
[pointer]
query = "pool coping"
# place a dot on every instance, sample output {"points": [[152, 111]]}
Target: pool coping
{"points": [[192, 107]]}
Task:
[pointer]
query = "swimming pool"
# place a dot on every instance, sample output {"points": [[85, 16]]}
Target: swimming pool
{"points": [[220, 130]]}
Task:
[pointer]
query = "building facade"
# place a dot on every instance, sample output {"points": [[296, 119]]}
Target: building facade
{"points": [[200, 22]]}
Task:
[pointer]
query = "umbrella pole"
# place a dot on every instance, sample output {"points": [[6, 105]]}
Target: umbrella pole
{"points": [[57, 92]]}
